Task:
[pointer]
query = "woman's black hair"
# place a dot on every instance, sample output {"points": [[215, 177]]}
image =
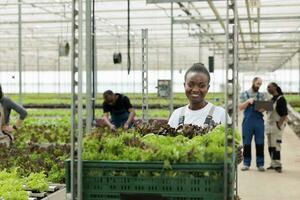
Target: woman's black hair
{"points": [[278, 89], [1, 93], [199, 68]]}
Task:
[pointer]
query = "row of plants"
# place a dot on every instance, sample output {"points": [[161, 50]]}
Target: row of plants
{"points": [[40, 145], [294, 101], [35, 158], [48, 96], [43, 145], [187, 143], [13, 186], [136, 99], [66, 113]]}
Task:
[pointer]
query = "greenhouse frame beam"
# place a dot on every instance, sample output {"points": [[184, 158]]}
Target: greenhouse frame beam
{"points": [[183, 20], [248, 16], [181, 35], [176, 20], [165, 44], [29, 3], [145, 84], [77, 99], [176, 1], [88, 60], [275, 4], [258, 24], [264, 41], [231, 59], [171, 107], [214, 9], [188, 13], [49, 11], [272, 52], [248, 33], [216, 13], [20, 63], [286, 60], [202, 8], [36, 22], [239, 29]]}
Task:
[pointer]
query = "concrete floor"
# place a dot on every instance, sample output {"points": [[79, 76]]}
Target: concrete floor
{"points": [[59, 195], [270, 185]]}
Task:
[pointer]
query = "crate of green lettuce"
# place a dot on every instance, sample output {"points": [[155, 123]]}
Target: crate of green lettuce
{"points": [[130, 165]]}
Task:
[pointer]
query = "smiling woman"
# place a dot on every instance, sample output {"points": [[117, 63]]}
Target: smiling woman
{"points": [[198, 111]]}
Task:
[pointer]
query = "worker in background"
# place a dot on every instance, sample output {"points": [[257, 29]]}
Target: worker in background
{"points": [[253, 125], [119, 107], [275, 125], [6, 105]]}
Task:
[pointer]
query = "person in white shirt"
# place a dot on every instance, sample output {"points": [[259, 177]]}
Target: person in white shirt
{"points": [[198, 112]]}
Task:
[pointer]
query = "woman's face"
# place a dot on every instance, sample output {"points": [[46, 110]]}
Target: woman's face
{"points": [[196, 87], [271, 89]]}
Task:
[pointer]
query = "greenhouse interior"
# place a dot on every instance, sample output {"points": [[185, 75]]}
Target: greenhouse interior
{"points": [[150, 99]]}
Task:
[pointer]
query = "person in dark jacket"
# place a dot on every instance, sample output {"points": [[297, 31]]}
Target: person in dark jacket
{"points": [[6, 105], [275, 125], [120, 109]]}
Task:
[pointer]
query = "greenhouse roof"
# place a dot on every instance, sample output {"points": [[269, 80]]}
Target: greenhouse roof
{"points": [[269, 33]]}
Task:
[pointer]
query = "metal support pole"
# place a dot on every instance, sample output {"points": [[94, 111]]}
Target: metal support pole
{"points": [[133, 65], [133, 53], [88, 58], [235, 72], [172, 63], [95, 80], [76, 108], [128, 37], [74, 111], [94, 66], [231, 86], [145, 75], [299, 68], [291, 75], [58, 68], [38, 69], [199, 46], [20, 48], [58, 73], [226, 100], [80, 102]]}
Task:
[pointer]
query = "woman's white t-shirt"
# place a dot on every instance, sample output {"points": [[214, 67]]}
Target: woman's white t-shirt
{"points": [[197, 117]]}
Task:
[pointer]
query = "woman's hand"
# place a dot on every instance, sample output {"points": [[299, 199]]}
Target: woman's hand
{"points": [[126, 126], [240, 156], [112, 127], [7, 129], [278, 125]]}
